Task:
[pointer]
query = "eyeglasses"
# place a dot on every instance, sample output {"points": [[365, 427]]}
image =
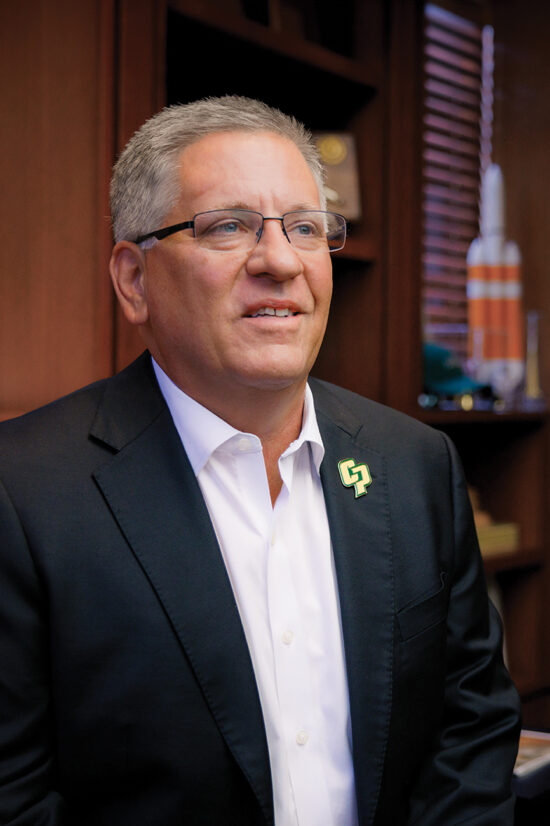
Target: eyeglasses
{"points": [[228, 230]]}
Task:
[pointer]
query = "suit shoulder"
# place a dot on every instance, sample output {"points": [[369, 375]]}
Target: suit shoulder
{"points": [[54, 420], [102, 416], [75, 412], [377, 422]]}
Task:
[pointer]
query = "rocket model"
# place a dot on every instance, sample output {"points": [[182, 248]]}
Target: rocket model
{"points": [[494, 290]]}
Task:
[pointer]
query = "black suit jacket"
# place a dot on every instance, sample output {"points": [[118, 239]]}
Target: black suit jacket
{"points": [[127, 694]]}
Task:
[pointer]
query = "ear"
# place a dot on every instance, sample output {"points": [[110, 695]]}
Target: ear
{"points": [[127, 268]]}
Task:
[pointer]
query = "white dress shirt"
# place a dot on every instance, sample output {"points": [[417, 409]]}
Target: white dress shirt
{"points": [[280, 564]]}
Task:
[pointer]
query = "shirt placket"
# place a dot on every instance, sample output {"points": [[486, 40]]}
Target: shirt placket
{"points": [[292, 670]]}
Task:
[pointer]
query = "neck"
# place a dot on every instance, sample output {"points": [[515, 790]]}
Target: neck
{"points": [[274, 415], [276, 419]]}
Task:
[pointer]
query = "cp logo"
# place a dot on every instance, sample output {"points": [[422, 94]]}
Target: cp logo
{"points": [[356, 475]]}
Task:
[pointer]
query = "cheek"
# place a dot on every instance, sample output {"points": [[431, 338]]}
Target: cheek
{"points": [[191, 308], [174, 285], [321, 287]]}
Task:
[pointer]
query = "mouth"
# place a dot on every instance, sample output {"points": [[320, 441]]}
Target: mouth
{"points": [[279, 312]]}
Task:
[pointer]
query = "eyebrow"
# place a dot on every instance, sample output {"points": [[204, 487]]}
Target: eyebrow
{"points": [[242, 205]]}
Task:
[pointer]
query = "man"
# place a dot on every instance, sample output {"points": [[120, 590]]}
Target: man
{"points": [[233, 596]]}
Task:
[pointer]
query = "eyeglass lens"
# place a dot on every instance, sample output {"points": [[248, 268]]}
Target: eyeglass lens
{"points": [[235, 229]]}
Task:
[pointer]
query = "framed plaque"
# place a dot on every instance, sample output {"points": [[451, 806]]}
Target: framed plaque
{"points": [[338, 153]]}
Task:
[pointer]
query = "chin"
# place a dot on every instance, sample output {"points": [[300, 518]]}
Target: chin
{"points": [[272, 371], [275, 379]]}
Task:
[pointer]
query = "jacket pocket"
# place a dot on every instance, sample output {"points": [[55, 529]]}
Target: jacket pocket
{"points": [[421, 616]]}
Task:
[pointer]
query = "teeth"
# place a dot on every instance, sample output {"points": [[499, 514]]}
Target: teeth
{"points": [[272, 311]]}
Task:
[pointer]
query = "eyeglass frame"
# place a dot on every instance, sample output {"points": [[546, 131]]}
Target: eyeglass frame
{"points": [[164, 232]]}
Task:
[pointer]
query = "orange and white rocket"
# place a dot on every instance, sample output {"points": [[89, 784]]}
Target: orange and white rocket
{"points": [[494, 290]]}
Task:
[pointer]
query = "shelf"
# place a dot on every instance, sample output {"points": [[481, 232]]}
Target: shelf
{"points": [[529, 689], [286, 44], [454, 417], [495, 563], [256, 62]]}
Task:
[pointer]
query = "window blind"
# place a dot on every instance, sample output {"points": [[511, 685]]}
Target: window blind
{"points": [[456, 145]]}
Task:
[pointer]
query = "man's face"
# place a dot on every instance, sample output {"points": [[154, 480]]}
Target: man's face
{"points": [[202, 325]]}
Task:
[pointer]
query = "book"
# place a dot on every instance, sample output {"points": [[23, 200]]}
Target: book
{"points": [[494, 537], [498, 538], [532, 769]]}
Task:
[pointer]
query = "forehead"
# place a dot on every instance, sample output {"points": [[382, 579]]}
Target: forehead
{"points": [[226, 168]]}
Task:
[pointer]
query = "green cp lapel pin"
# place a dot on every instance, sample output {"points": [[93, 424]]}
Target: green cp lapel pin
{"points": [[355, 475]]}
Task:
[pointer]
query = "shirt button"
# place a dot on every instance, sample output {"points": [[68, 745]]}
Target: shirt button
{"points": [[287, 637], [243, 444], [302, 737]]}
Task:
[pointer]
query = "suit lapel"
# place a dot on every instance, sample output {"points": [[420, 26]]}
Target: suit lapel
{"points": [[360, 532], [153, 494]]}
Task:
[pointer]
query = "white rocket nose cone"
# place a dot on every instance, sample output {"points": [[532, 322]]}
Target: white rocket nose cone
{"points": [[492, 202]]}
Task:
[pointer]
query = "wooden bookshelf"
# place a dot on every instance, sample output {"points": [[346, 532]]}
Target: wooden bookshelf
{"points": [[504, 458]]}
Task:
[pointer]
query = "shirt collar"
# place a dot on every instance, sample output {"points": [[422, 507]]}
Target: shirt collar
{"points": [[202, 432]]}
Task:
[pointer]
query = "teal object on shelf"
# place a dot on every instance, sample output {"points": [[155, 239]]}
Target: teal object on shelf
{"points": [[443, 375]]}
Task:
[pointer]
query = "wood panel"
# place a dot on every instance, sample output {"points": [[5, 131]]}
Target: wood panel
{"points": [[56, 64], [140, 90], [403, 374]]}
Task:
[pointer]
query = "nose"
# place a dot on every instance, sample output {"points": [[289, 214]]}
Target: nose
{"points": [[273, 256]]}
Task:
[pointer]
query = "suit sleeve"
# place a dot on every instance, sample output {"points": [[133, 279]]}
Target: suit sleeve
{"points": [[467, 778], [27, 795]]}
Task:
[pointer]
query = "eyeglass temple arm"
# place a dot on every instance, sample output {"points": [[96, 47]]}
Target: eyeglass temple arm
{"points": [[159, 234]]}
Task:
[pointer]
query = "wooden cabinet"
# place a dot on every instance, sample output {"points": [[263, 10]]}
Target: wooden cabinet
{"points": [[520, 146], [505, 456], [504, 459]]}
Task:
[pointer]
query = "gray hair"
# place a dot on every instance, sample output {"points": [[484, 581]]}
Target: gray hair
{"points": [[145, 184]]}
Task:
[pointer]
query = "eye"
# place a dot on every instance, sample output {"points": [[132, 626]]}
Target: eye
{"points": [[222, 229], [228, 226], [305, 228]]}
